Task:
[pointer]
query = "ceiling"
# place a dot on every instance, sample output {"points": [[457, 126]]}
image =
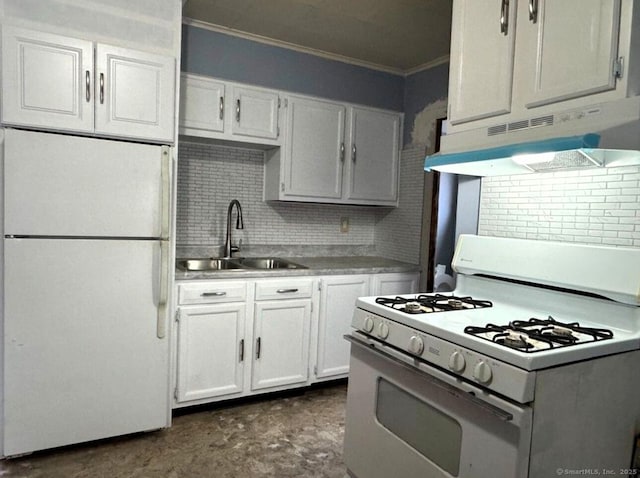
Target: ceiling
{"points": [[399, 36]]}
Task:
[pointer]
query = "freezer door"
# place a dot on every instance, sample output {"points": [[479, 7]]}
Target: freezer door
{"points": [[81, 353], [58, 185]]}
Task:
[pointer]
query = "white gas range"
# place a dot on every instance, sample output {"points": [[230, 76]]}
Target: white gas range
{"points": [[530, 367]]}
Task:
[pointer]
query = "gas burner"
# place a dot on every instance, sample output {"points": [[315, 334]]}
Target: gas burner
{"points": [[534, 335], [455, 304], [413, 308], [513, 340], [426, 303]]}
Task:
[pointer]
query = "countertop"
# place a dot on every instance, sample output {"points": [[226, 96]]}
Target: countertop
{"points": [[320, 265]]}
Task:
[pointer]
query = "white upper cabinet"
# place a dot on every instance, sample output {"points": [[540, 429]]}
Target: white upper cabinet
{"points": [[374, 152], [201, 105], [512, 59], [47, 80], [255, 113], [573, 45], [482, 52], [134, 93], [55, 82], [335, 153], [223, 110], [315, 142]]}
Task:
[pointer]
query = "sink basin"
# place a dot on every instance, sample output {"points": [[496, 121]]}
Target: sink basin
{"points": [[209, 264], [267, 263]]}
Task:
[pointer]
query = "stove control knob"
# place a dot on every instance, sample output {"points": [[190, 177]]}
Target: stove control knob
{"points": [[416, 345], [482, 372], [368, 324], [456, 362], [383, 330]]}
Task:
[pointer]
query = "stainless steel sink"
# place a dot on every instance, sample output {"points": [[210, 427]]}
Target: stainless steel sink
{"points": [[210, 264], [267, 263]]}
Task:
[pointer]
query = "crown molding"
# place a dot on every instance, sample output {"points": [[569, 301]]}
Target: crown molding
{"points": [[311, 51]]}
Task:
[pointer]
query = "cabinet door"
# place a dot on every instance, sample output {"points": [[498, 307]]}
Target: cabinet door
{"points": [[482, 53], [281, 343], [210, 351], [134, 94], [373, 156], [254, 112], [201, 105], [569, 51], [47, 80], [337, 303], [395, 284], [315, 148]]}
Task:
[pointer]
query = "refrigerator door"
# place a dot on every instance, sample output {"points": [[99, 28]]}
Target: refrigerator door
{"points": [[82, 357], [58, 185]]}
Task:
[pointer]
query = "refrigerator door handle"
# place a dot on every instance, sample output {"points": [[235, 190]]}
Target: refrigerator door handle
{"points": [[161, 324], [165, 198]]}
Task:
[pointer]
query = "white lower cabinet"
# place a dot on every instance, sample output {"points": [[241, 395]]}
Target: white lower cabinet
{"points": [[281, 343], [210, 351], [395, 283], [235, 338], [338, 296], [210, 340]]}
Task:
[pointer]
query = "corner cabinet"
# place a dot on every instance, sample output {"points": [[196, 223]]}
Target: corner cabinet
{"points": [[61, 83], [335, 153], [222, 110], [511, 58], [338, 295]]}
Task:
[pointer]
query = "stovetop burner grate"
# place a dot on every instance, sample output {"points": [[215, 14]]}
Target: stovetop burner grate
{"points": [[535, 335], [429, 303]]}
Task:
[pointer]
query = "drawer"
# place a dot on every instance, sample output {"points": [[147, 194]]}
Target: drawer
{"points": [[212, 292], [284, 289]]}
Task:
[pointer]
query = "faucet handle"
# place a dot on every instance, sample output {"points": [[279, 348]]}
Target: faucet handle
{"points": [[235, 248]]}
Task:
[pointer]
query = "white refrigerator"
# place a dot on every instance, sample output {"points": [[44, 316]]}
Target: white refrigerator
{"points": [[86, 227]]}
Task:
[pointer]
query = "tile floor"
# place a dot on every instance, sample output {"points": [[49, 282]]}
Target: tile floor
{"points": [[296, 434]]}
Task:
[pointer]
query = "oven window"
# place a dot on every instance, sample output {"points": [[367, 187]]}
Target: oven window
{"points": [[433, 434]]}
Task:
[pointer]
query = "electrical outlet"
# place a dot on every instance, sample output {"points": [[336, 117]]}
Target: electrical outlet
{"points": [[344, 224]]}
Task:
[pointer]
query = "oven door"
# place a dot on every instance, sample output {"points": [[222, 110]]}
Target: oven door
{"points": [[407, 418]]}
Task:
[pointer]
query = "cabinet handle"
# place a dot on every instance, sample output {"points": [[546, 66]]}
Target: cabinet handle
{"points": [[242, 350], [341, 151], [87, 82], [504, 17], [354, 153], [286, 291], [221, 107], [101, 88], [533, 11], [238, 110], [258, 346], [213, 294]]}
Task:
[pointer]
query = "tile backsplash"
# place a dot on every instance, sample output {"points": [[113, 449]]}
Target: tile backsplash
{"points": [[210, 176], [592, 206]]}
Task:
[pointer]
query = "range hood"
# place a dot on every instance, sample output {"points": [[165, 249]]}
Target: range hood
{"points": [[601, 135]]}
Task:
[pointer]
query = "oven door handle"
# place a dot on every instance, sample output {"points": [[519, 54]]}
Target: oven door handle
{"points": [[399, 359]]}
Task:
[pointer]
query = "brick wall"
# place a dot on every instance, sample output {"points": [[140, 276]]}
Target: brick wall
{"points": [[593, 206]]}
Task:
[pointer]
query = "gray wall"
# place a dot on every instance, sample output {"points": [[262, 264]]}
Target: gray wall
{"points": [[420, 90], [227, 57]]}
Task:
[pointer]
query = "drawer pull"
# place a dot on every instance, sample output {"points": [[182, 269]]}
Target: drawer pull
{"points": [[213, 294], [286, 291]]}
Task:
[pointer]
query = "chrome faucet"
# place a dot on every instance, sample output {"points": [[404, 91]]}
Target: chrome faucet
{"points": [[228, 248]]}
